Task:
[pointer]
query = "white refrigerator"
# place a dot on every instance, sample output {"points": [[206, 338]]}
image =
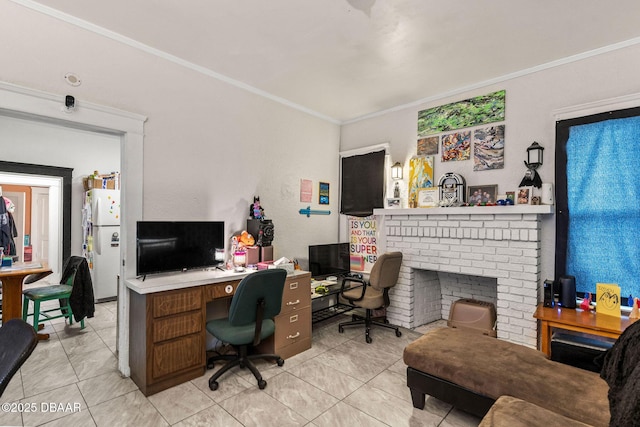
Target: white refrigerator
{"points": [[101, 247]]}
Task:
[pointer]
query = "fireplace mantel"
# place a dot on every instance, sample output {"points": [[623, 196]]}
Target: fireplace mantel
{"points": [[470, 210]]}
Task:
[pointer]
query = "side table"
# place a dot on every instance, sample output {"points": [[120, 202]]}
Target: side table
{"points": [[588, 322]]}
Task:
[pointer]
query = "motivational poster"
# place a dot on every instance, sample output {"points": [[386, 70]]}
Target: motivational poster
{"points": [[363, 243]]}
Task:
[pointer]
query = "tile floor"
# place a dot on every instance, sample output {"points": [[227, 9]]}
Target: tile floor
{"points": [[72, 380]]}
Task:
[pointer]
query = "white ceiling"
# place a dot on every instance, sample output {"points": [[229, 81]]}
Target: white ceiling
{"points": [[344, 59]]}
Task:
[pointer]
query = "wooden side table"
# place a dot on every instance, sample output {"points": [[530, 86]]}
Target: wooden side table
{"points": [[12, 278], [588, 322]]}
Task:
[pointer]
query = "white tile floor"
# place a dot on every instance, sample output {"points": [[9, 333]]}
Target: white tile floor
{"points": [[72, 380]]}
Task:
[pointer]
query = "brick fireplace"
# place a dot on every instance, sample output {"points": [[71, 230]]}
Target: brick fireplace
{"points": [[487, 253]]}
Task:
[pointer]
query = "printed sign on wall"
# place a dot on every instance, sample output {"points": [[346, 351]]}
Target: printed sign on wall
{"points": [[363, 243]]}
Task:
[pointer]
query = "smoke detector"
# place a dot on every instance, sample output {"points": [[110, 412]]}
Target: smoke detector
{"points": [[73, 79]]}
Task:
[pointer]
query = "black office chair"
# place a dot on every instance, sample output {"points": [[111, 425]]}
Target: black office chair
{"points": [[257, 301], [374, 294], [17, 341]]}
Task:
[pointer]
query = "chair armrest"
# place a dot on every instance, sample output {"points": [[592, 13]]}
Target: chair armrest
{"points": [[362, 283]]}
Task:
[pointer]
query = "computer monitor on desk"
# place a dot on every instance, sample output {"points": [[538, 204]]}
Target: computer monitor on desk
{"points": [[329, 260]]}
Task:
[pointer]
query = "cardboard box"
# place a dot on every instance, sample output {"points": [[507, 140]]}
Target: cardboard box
{"points": [[109, 182], [253, 255]]}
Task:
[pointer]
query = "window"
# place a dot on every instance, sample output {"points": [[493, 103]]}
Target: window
{"points": [[362, 183], [598, 197]]}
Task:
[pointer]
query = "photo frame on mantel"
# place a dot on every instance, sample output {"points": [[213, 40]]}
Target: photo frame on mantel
{"points": [[428, 197], [524, 195], [482, 194]]}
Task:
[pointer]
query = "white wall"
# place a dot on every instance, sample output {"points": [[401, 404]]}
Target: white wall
{"points": [[531, 103], [26, 141], [209, 147]]}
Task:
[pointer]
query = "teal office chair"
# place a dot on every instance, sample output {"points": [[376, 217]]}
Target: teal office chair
{"points": [[256, 302]]}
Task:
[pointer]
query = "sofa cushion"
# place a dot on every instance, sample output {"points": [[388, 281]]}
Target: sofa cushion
{"points": [[494, 367], [509, 411]]}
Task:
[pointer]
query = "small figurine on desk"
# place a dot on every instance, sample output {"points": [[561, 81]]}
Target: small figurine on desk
{"points": [[635, 311], [586, 303], [256, 211]]}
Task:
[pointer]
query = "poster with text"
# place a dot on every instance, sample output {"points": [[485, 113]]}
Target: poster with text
{"points": [[363, 243]]}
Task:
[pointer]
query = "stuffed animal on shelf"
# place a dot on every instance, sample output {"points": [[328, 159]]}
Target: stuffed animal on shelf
{"points": [[245, 239]]}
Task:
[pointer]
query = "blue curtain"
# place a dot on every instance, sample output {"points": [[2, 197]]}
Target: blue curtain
{"points": [[603, 184]]}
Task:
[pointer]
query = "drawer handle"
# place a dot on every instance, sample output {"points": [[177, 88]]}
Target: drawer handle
{"points": [[293, 318], [228, 289], [294, 302], [290, 337], [293, 285]]}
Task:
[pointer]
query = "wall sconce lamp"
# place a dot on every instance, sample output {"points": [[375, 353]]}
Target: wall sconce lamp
{"points": [[533, 162], [396, 171]]}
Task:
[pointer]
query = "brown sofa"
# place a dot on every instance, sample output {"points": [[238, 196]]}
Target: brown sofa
{"points": [[472, 371]]}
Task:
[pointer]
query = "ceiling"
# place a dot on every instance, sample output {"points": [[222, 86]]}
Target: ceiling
{"points": [[345, 59]]}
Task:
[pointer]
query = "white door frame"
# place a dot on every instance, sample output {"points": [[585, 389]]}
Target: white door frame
{"points": [[54, 184], [42, 106], [19, 199]]}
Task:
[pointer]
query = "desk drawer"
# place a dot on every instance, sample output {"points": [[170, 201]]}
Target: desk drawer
{"points": [[293, 327], [220, 290], [173, 356], [179, 301], [177, 326], [296, 294]]}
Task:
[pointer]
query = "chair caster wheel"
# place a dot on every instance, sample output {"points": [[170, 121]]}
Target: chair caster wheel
{"points": [[398, 333], [210, 365], [213, 385], [340, 329], [368, 339], [280, 362], [262, 384]]}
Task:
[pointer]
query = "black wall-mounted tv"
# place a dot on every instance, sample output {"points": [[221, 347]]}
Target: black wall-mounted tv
{"points": [[329, 260], [165, 246]]}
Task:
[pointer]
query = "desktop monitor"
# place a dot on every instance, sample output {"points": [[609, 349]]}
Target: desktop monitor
{"points": [[329, 260]]}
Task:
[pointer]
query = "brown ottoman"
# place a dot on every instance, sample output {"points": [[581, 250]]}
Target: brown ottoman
{"points": [[471, 371]]}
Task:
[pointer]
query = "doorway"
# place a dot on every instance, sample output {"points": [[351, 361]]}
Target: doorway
{"points": [[17, 205], [39, 106], [53, 219]]}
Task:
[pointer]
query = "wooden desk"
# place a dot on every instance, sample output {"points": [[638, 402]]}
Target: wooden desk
{"points": [[12, 278], [167, 334], [577, 320]]}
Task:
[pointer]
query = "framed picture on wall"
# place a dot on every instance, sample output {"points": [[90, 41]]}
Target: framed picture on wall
{"points": [[524, 196], [482, 194], [323, 192]]}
